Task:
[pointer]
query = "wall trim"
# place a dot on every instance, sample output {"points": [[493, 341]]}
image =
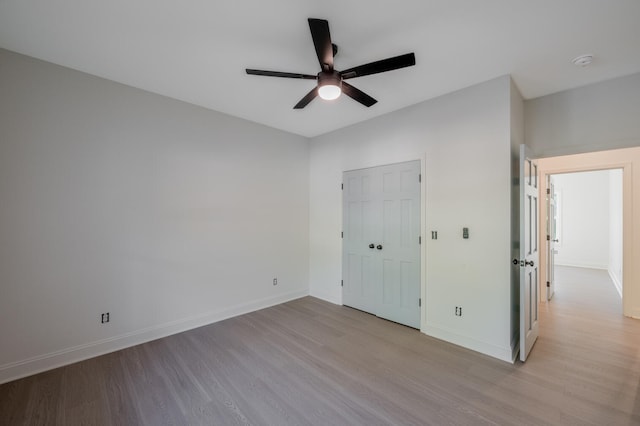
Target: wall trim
{"points": [[23, 368], [580, 264], [324, 296], [443, 333], [616, 281]]}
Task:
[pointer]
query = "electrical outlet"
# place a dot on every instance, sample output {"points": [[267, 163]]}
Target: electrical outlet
{"points": [[275, 281], [458, 311], [104, 317]]}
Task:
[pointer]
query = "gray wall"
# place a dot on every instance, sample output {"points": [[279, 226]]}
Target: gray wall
{"points": [[170, 216], [116, 200], [517, 139], [592, 118], [463, 141]]}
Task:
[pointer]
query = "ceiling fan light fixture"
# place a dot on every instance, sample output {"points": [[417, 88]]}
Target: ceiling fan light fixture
{"points": [[329, 81], [329, 85], [329, 92]]}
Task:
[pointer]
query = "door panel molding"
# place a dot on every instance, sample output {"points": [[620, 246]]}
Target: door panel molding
{"points": [[394, 228], [529, 253]]}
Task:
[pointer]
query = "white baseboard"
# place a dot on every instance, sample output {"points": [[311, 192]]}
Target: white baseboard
{"points": [[442, 333], [616, 281], [18, 369], [326, 297], [578, 264]]}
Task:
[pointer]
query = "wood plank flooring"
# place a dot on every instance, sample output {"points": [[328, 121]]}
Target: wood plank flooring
{"points": [[309, 362]]}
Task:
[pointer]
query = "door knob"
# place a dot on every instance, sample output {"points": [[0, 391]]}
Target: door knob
{"points": [[371, 245], [379, 247], [530, 263], [556, 241]]}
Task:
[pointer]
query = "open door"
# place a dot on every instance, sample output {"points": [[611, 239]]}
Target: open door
{"points": [[529, 253], [552, 237]]}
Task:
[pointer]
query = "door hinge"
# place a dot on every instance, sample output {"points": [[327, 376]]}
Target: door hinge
{"points": [[420, 301], [548, 284], [342, 186], [548, 238], [341, 283], [420, 239], [548, 191], [342, 235], [419, 177]]}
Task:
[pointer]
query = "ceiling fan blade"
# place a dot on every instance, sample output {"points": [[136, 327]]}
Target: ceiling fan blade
{"points": [[308, 98], [322, 42], [281, 74], [383, 65], [357, 95]]}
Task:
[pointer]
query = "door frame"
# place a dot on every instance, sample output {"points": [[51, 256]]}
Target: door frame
{"points": [[551, 231], [594, 161], [357, 164]]}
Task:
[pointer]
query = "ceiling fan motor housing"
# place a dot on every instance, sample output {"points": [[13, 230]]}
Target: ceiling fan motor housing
{"points": [[329, 78]]}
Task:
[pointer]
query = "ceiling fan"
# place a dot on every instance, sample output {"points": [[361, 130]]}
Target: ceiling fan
{"points": [[330, 81]]}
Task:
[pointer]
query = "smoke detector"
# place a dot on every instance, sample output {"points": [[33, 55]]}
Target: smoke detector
{"points": [[583, 60]]}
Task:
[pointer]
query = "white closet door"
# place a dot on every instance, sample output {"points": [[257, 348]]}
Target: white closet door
{"points": [[381, 244], [358, 234]]}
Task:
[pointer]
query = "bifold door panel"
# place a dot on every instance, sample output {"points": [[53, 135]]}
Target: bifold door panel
{"points": [[381, 241]]}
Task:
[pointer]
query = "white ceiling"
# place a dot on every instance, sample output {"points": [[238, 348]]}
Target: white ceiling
{"points": [[197, 50]]}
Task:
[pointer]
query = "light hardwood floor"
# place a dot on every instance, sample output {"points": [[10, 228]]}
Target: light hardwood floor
{"points": [[309, 362]]}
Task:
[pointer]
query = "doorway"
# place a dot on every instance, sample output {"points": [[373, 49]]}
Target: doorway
{"points": [[623, 159], [584, 224]]}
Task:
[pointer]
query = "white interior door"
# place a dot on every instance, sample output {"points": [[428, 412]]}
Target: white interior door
{"points": [[381, 241], [529, 253], [552, 237]]}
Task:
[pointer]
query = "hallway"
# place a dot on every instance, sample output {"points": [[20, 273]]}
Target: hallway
{"points": [[591, 348]]}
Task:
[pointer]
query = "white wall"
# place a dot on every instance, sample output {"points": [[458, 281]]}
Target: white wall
{"points": [[584, 220], [116, 200], [615, 228], [591, 209], [464, 141]]}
